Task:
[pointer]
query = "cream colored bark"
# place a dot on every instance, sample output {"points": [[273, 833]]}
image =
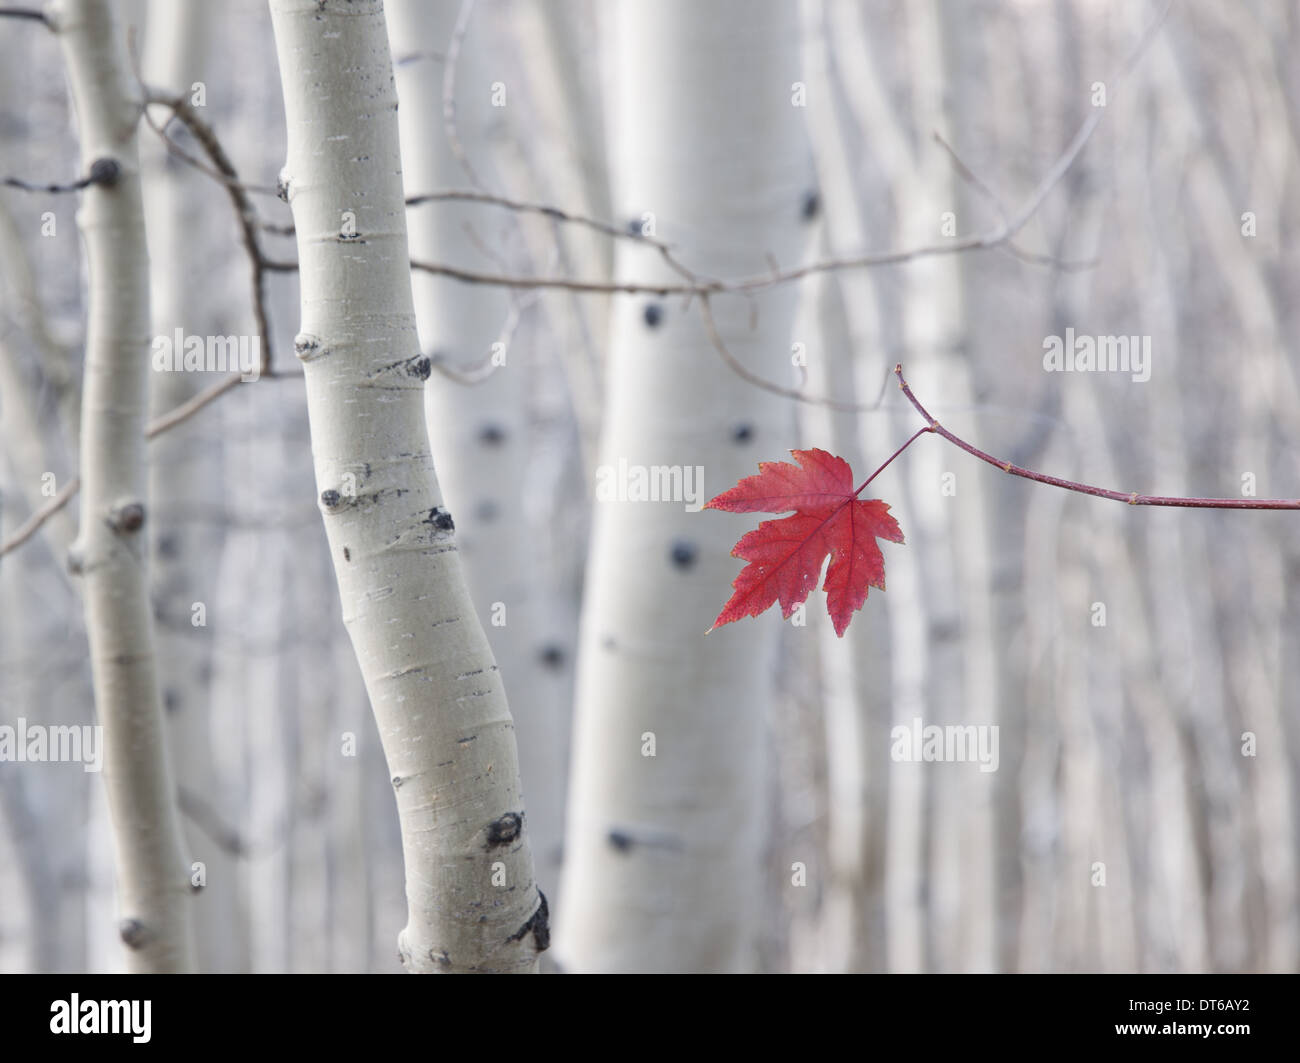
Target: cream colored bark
{"points": [[434, 687], [152, 871], [662, 859], [859, 672], [480, 431], [185, 463]]}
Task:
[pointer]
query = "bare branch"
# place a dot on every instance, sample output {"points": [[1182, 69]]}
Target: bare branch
{"points": [[31, 13], [102, 172], [155, 428], [245, 212], [1131, 498]]}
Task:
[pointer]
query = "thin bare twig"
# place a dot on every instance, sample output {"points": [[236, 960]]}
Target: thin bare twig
{"points": [[245, 212], [163, 423], [1131, 498], [555, 214], [30, 13], [1010, 247], [102, 172], [476, 374], [449, 93], [33, 523]]}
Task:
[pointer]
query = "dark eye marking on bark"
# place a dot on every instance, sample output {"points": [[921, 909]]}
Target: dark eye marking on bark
{"points": [[742, 433], [418, 366], [624, 840], [653, 314], [539, 923], [134, 934], [683, 554], [552, 655], [492, 435], [811, 205], [505, 830], [126, 517], [440, 519], [105, 172], [347, 554]]}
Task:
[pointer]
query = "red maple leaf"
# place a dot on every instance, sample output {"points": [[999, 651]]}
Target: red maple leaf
{"points": [[785, 556]]}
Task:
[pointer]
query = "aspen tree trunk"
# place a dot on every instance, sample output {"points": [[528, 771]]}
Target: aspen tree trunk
{"points": [[951, 528], [1191, 676], [32, 439], [859, 671], [1267, 403], [666, 805], [481, 430], [36, 643], [185, 464], [434, 687], [152, 873], [569, 147]]}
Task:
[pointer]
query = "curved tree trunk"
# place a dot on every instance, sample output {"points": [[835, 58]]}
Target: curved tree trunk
{"points": [[152, 873], [434, 687], [480, 431]]}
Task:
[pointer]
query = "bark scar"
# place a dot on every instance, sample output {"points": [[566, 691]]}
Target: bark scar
{"points": [[505, 830], [539, 923]]}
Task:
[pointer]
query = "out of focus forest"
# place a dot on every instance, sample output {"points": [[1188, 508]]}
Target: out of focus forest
{"points": [[967, 180]]}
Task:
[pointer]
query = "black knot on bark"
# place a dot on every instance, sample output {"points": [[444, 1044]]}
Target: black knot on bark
{"points": [[440, 519], [134, 934], [126, 517], [683, 554], [505, 830], [811, 205], [539, 923], [653, 314], [491, 435], [742, 433], [305, 345], [330, 498], [552, 655], [105, 172]]}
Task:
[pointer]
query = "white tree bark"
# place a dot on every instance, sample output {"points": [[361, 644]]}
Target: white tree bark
{"points": [[662, 860], [849, 363], [152, 872], [480, 431], [434, 687], [185, 464]]}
